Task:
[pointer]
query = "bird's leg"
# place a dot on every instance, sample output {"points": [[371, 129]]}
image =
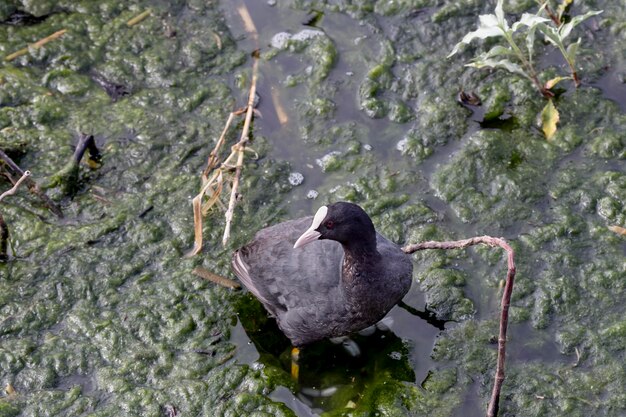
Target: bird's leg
{"points": [[295, 367]]}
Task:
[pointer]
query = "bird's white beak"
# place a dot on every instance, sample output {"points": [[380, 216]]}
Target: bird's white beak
{"points": [[307, 237], [311, 234]]}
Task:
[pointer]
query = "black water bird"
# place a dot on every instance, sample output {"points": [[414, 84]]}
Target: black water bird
{"points": [[324, 276]]}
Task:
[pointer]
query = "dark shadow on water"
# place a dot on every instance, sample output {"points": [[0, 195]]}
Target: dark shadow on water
{"points": [[334, 375], [425, 315], [506, 123]]}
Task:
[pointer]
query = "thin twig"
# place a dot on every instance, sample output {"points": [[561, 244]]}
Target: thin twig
{"points": [[4, 229], [210, 276], [492, 410], [213, 175], [35, 45], [240, 147], [553, 16], [32, 185], [12, 191], [4, 238], [213, 156], [214, 184], [138, 18]]}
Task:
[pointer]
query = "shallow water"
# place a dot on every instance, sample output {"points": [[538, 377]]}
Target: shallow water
{"points": [[413, 330], [100, 314]]}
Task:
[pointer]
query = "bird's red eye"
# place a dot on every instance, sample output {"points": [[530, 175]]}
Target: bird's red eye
{"points": [[329, 224]]}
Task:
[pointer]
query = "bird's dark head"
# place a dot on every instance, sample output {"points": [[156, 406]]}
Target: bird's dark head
{"points": [[344, 222]]}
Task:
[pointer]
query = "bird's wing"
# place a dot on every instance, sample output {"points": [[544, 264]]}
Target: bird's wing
{"points": [[284, 278]]}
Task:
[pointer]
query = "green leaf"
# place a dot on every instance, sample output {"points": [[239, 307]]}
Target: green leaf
{"points": [[551, 83], [551, 34], [497, 51], [529, 20], [488, 28], [500, 15], [543, 6], [481, 62], [549, 119], [488, 21], [572, 50], [530, 43], [566, 28]]}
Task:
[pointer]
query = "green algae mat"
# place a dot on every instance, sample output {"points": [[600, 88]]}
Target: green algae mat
{"points": [[100, 314]]}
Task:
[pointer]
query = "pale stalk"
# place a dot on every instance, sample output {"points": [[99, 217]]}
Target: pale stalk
{"points": [[240, 149]]}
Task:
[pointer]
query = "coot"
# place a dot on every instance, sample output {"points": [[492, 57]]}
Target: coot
{"points": [[324, 276]]}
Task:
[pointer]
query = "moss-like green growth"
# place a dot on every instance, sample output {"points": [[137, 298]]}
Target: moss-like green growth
{"points": [[99, 312], [440, 381]]}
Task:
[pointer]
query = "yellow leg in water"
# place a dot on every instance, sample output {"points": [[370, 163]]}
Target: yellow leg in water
{"points": [[295, 368]]}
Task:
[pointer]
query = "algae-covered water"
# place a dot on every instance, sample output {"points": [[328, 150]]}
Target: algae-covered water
{"points": [[100, 314]]}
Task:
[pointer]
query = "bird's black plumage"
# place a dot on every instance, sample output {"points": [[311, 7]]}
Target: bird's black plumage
{"points": [[345, 280]]}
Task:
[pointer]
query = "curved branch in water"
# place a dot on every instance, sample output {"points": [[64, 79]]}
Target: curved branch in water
{"points": [[492, 410]]}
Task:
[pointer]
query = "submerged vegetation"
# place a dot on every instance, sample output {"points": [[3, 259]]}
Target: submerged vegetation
{"points": [[512, 58], [358, 103]]}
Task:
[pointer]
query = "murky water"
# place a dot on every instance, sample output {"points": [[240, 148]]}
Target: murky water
{"points": [[382, 136], [100, 315], [313, 394]]}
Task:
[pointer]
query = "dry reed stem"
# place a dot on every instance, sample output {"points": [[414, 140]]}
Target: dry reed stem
{"points": [[213, 183], [220, 280], [213, 159], [197, 216], [138, 18], [218, 40], [492, 409], [283, 119], [618, 229], [197, 222], [248, 23], [15, 186], [10, 390], [37, 44], [212, 187], [240, 147]]}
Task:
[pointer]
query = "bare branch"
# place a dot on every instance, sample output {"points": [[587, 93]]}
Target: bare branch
{"points": [[492, 410], [4, 230], [12, 191], [4, 238], [32, 185]]}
